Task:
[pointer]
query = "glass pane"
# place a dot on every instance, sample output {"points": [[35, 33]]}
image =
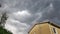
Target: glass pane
{"points": [[54, 30]]}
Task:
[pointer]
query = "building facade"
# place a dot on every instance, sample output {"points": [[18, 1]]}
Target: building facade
{"points": [[45, 28]]}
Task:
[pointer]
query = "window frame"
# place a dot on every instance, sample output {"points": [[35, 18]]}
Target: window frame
{"points": [[55, 31]]}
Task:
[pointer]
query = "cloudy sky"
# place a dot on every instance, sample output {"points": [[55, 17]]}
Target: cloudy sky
{"points": [[24, 13]]}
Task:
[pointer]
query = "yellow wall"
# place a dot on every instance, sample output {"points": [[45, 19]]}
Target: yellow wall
{"points": [[44, 29], [40, 29], [56, 29]]}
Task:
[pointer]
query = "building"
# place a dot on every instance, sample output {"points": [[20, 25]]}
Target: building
{"points": [[45, 27]]}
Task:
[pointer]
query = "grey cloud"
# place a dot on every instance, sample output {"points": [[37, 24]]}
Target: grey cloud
{"points": [[56, 4], [34, 7], [52, 13]]}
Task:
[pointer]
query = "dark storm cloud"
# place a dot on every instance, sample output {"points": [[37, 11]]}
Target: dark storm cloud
{"points": [[33, 5], [37, 10], [51, 13]]}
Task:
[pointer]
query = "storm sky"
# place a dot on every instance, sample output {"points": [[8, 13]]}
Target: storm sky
{"points": [[24, 13]]}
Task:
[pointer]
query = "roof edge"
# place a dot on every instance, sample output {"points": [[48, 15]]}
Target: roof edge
{"points": [[47, 21]]}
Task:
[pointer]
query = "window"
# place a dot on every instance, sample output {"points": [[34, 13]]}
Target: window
{"points": [[54, 30]]}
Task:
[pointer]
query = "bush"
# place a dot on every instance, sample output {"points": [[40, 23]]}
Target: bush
{"points": [[4, 31]]}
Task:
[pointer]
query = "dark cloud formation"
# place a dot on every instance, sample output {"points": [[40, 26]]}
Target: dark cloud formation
{"points": [[24, 13], [33, 5]]}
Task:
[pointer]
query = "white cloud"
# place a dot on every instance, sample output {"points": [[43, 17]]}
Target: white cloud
{"points": [[20, 15], [11, 28], [15, 25], [23, 13]]}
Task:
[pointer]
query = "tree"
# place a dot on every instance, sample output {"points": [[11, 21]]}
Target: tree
{"points": [[4, 31], [0, 5], [2, 24], [3, 19]]}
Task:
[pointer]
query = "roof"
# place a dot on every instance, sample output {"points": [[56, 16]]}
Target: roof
{"points": [[49, 22]]}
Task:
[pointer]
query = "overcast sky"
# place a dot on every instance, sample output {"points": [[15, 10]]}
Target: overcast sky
{"points": [[24, 13]]}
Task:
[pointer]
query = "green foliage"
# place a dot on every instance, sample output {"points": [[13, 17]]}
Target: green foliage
{"points": [[4, 31], [2, 24], [3, 19]]}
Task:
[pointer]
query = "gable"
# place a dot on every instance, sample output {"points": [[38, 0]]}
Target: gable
{"points": [[37, 26], [48, 22]]}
